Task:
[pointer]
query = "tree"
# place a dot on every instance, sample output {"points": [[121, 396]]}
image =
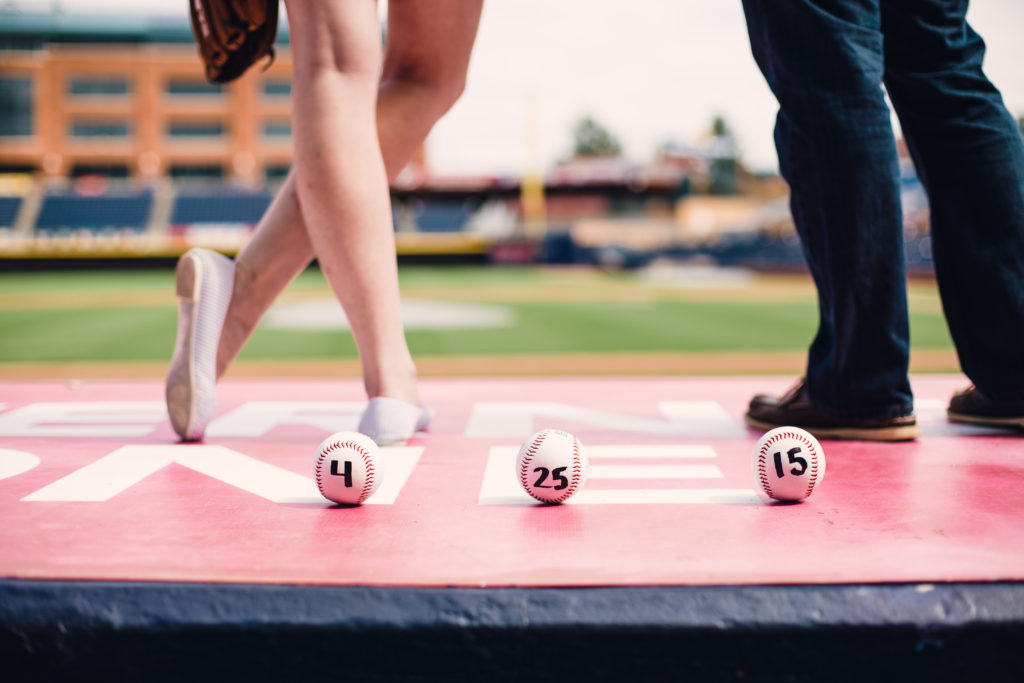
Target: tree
{"points": [[591, 139], [719, 128], [723, 156]]}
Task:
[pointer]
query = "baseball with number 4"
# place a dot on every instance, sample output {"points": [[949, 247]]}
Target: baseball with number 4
{"points": [[345, 468], [788, 463], [551, 466]]}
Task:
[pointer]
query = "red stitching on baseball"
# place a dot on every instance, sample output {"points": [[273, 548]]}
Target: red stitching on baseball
{"points": [[368, 482], [765, 482], [812, 477], [576, 469], [524, 467]]}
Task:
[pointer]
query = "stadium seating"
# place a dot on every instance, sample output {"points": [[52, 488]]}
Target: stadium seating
{"points": [[113, 211], [9, 211], [219, 205], [443, 216]]}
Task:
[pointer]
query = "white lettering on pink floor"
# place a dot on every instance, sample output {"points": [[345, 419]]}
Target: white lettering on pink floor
{"points": [[693, 419], [706, 419], [501, 486], [120, 470], [257, 418], [84, 419], [13, 463]]}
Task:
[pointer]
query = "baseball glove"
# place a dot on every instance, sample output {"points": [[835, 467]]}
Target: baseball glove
{"points": [[233, 35]]}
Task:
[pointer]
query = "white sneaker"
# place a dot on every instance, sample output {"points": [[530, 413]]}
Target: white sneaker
{"points": [[204, 280], [389, 421]]}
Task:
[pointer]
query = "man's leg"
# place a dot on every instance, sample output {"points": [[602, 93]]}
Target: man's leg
{"points": [[823, 60], [970, 156]]}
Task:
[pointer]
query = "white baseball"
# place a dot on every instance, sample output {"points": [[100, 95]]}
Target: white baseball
{"points": [[345, 468], [788, 463], [551, 466]]}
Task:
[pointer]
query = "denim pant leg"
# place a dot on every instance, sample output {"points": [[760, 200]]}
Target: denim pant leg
{"points": [[970, 157], [823, 59]]}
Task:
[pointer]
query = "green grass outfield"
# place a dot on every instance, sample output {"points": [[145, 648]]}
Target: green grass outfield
{"points": [[131, 316]]}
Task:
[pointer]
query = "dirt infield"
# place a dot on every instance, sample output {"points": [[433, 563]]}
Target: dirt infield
{"points": [[782, 362]]}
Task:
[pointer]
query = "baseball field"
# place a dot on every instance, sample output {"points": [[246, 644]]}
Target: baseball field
{"points": [[460, 320]]}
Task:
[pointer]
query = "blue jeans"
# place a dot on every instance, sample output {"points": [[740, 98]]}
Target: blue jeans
{"points": [[826, 62]]}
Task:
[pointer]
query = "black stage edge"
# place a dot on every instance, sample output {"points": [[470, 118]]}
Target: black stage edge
{"points": [[62, 264], [85, 631]]}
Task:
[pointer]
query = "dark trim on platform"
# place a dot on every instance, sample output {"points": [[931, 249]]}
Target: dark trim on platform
{"points": [[79, 263], [76, 631]]}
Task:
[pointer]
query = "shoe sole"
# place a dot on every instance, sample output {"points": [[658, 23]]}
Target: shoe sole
{"points": [[895, 433], [1010, 422], [203, 299]]}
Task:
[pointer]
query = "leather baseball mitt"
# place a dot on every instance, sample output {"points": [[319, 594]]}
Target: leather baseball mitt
{"points": [[233, 35]]}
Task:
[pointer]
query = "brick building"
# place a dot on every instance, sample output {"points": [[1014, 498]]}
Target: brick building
{"points": [[125, 97]]}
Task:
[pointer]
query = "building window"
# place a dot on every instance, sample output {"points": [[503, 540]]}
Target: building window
{"points": [[106, 170], [99, 129], [193, 88], [277, 88], [18, 169], [275, 172], [212, 129], [98, 87], [15, 107], [276, 130], [196, 171]]}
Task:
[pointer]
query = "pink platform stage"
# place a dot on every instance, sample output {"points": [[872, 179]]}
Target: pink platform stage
{"points": [[93, 485]]}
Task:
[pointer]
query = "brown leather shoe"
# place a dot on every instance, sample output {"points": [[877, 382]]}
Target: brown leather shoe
{"points": [[792, 409], [972, 407]]}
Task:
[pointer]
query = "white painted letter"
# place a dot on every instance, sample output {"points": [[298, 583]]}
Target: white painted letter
{"points": [[256, 418], [83, 419], [114, 473], [704, 419], [500, 486]]}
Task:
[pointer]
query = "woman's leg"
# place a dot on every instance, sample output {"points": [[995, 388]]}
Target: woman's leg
{"points": [[341, 183], [425, 63], [424, 72], [276, 253]]}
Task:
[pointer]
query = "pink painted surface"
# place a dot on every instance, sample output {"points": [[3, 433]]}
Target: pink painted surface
{"points": [[948, 507]]}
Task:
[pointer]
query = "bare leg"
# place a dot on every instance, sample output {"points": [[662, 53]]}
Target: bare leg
{"points": [[425, 64], [341, 182], [276, 253], [424, 73]]}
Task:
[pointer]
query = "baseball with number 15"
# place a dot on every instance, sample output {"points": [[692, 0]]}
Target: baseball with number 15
{"points": [[788, 463]]}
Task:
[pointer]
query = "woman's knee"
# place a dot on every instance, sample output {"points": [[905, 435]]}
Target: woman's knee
{"points": [[334, 39], [437, 84], [429, 47]]}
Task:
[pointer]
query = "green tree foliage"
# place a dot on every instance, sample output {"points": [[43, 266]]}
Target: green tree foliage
{"points": [[592, 139], [724, 162], [720, 128]]}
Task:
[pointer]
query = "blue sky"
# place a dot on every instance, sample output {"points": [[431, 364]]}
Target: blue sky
{"points": [[650, 70]]}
